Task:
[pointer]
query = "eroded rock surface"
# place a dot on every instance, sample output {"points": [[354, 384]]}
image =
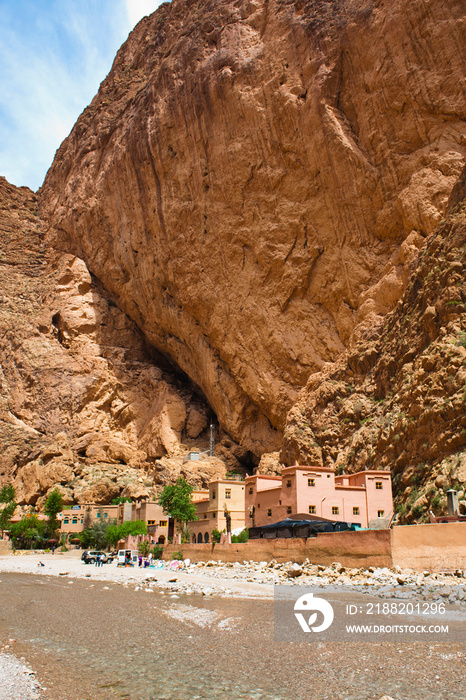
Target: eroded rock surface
{"points": [[84, 402], [253, 177], [398, 399]]}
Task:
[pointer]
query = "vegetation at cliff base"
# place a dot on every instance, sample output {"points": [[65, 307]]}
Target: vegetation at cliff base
{"points": [[7, 497], [175, 500]]}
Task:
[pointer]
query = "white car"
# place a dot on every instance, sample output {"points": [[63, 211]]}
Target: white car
{"points": [[133, 557]]}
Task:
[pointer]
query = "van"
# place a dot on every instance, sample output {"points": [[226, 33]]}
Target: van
{"points": [[133, 555]]}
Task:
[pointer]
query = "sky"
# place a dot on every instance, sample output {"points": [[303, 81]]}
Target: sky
{"points": [[53, 56]]}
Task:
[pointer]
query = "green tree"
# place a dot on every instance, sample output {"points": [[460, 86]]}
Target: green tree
{"points": [[28, 533], [132, 527], [7, 497], [242, 537], [144, 548], [52, 506], [113, 535], [175, 499], [103, 533]]}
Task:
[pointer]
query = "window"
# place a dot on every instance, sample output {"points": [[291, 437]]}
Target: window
{"points": [[66, 521], [335, 510], [163, 523], [355, 510], [251, 490], [213, 515], [74, 521], [288, 509], [97, 515], [105, 515], [227, 493], [82, 521], [380, 513], [151, 522], [269, 512], [288, 483], [258, 505], [205, 516], [378, 485], [311, 482], [213, 495], [312, 510]]}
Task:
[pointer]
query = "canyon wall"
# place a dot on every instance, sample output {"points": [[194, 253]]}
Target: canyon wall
{"points": [[85, 403], [398, 400], [254, 178], [255, 220]]}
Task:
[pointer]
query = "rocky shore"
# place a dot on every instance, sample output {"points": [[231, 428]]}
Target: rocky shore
{"points": [[247, 579], [17, 679]]}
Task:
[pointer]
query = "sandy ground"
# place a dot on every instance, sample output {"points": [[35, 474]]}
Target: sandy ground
{"points": [[69, 564], [205, 633]]}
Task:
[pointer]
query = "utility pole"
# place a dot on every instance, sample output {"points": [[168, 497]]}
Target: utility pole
{"points": [[212, 440]]}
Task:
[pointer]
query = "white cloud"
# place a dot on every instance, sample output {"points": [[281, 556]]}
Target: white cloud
{"points": [[137, 9], [54, 55]]}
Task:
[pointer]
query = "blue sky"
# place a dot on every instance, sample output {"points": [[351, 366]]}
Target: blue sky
{"points": [[53, 56]]}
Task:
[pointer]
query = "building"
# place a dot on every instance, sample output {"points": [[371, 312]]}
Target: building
{"points": [[77, 518], [317, 492], [210, 509], [158, 523]]}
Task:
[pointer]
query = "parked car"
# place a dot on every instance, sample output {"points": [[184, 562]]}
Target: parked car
{"points": [[90, 555], [128, 556]]}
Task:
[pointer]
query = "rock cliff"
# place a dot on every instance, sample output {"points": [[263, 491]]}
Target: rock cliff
{"points": [[254, 202], [252, 178], [398, 400], [84, 402]]}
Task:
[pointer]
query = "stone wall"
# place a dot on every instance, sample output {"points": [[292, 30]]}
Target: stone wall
{"points": [[5, 547], [353, 549], [440, 546], [431, 547]]}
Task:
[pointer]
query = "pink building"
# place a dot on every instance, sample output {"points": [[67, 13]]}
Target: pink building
{"points": [[318, 492]]}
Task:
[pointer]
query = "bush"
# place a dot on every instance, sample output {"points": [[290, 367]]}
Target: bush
{"points": [[242, 537], [28, 533], [157, 551], [216, 535], [177, 555], [417, 511], [144, 548]]}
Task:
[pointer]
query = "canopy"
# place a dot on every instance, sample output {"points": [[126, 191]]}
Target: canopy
{"points": [[291, 527]]}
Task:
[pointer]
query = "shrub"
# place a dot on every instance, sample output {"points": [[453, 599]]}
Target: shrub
{"points": [[157, 551], [177, 555], [216, 535], [144, 548], [417, 511], [242, 537]]}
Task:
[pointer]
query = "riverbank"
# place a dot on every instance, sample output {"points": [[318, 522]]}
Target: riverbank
{"points": [[18, 680], [245, 579], [96, 640]]}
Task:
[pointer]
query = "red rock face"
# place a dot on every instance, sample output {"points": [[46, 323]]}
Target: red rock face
{"points": [[397, 400], [84, 405], [246, 178]]}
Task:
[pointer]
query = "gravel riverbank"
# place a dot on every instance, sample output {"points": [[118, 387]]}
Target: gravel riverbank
{"points": [[245, 579], [18, 681]]}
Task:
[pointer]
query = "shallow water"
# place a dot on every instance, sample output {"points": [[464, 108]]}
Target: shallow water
{"points": [[103, 641]]}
